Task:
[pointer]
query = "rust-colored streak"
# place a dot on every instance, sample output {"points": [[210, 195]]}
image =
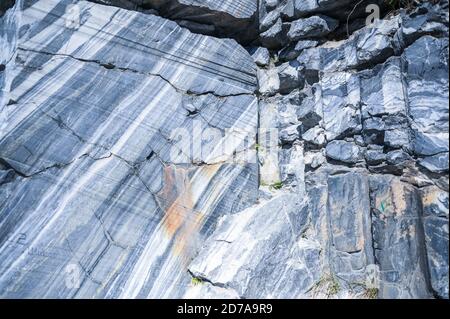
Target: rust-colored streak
{"points": [[181, 219], [176, 198]]}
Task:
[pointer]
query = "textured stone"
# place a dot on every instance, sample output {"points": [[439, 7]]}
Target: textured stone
{"points": [[269, 20], [292, 168], [293, 51], [435, 210], [312, 27], [382, 90], [286, 113], [271, 3], [427, 89], [342, 151], [289, 134], [349, 218], [230, 18], [428, 19], [398, 158], [398, 241], [309, 112], [239, 244], [341, 99], [341, 9], [268, 80], [363, 49], [315, 136], [147, 154], [314, 159], [290, 77], [261, 56], [90, 141], [375, 44], [268, 151], [275, 37], [397, 139], [437, 163], [375, 157]]}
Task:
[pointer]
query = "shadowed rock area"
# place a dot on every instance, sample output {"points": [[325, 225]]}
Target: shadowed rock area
{"points": [[235, 19]]}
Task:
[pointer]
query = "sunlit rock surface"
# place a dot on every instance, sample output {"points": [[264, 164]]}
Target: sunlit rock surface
{"points": [[89, 177], [223, 149]]}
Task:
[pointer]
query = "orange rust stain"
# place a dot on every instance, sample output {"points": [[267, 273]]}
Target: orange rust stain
{"points": [[180, 219], [399, 190], [430, 196], [177, 198]]}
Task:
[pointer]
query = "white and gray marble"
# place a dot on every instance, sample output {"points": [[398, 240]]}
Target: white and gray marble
{"points": [[86, 146], [223, 149]]}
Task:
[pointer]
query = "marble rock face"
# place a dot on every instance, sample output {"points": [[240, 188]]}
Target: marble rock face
{"points": [[223, 149], [94, 180], [238, 245], [224, 18]]}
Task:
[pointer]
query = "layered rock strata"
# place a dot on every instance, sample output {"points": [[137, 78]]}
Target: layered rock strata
{"points": [[223, 149]]}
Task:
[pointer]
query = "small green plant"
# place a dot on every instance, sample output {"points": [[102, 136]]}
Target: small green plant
{"points": [[334, 287], [327, 284], [371, 293], [277, 185], [196, 281], [258, 147]]}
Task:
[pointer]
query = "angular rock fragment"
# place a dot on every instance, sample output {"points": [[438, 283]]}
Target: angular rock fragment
{"points": [[437, 163], [315, 136], [291, 78], [428, 19], [293, 51], [397, 139], [269, 20], [290, 134], [398, 238], [246, 240], [261, 56], [106, 113], [398, 158], [435, 211], [427, 88], [309, 112], [314, 159], [341, 99], [275, 37], [268, 80], [382, 90], [313, 27], [375, 157], [230, 18], [342, 151]]}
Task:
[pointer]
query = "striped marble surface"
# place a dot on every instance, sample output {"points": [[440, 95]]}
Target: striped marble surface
{"points": [[94, 201]]}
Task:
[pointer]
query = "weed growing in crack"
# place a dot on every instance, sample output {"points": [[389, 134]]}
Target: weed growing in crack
{"points": [[196, 281], [277, 185], [371, 293]]}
